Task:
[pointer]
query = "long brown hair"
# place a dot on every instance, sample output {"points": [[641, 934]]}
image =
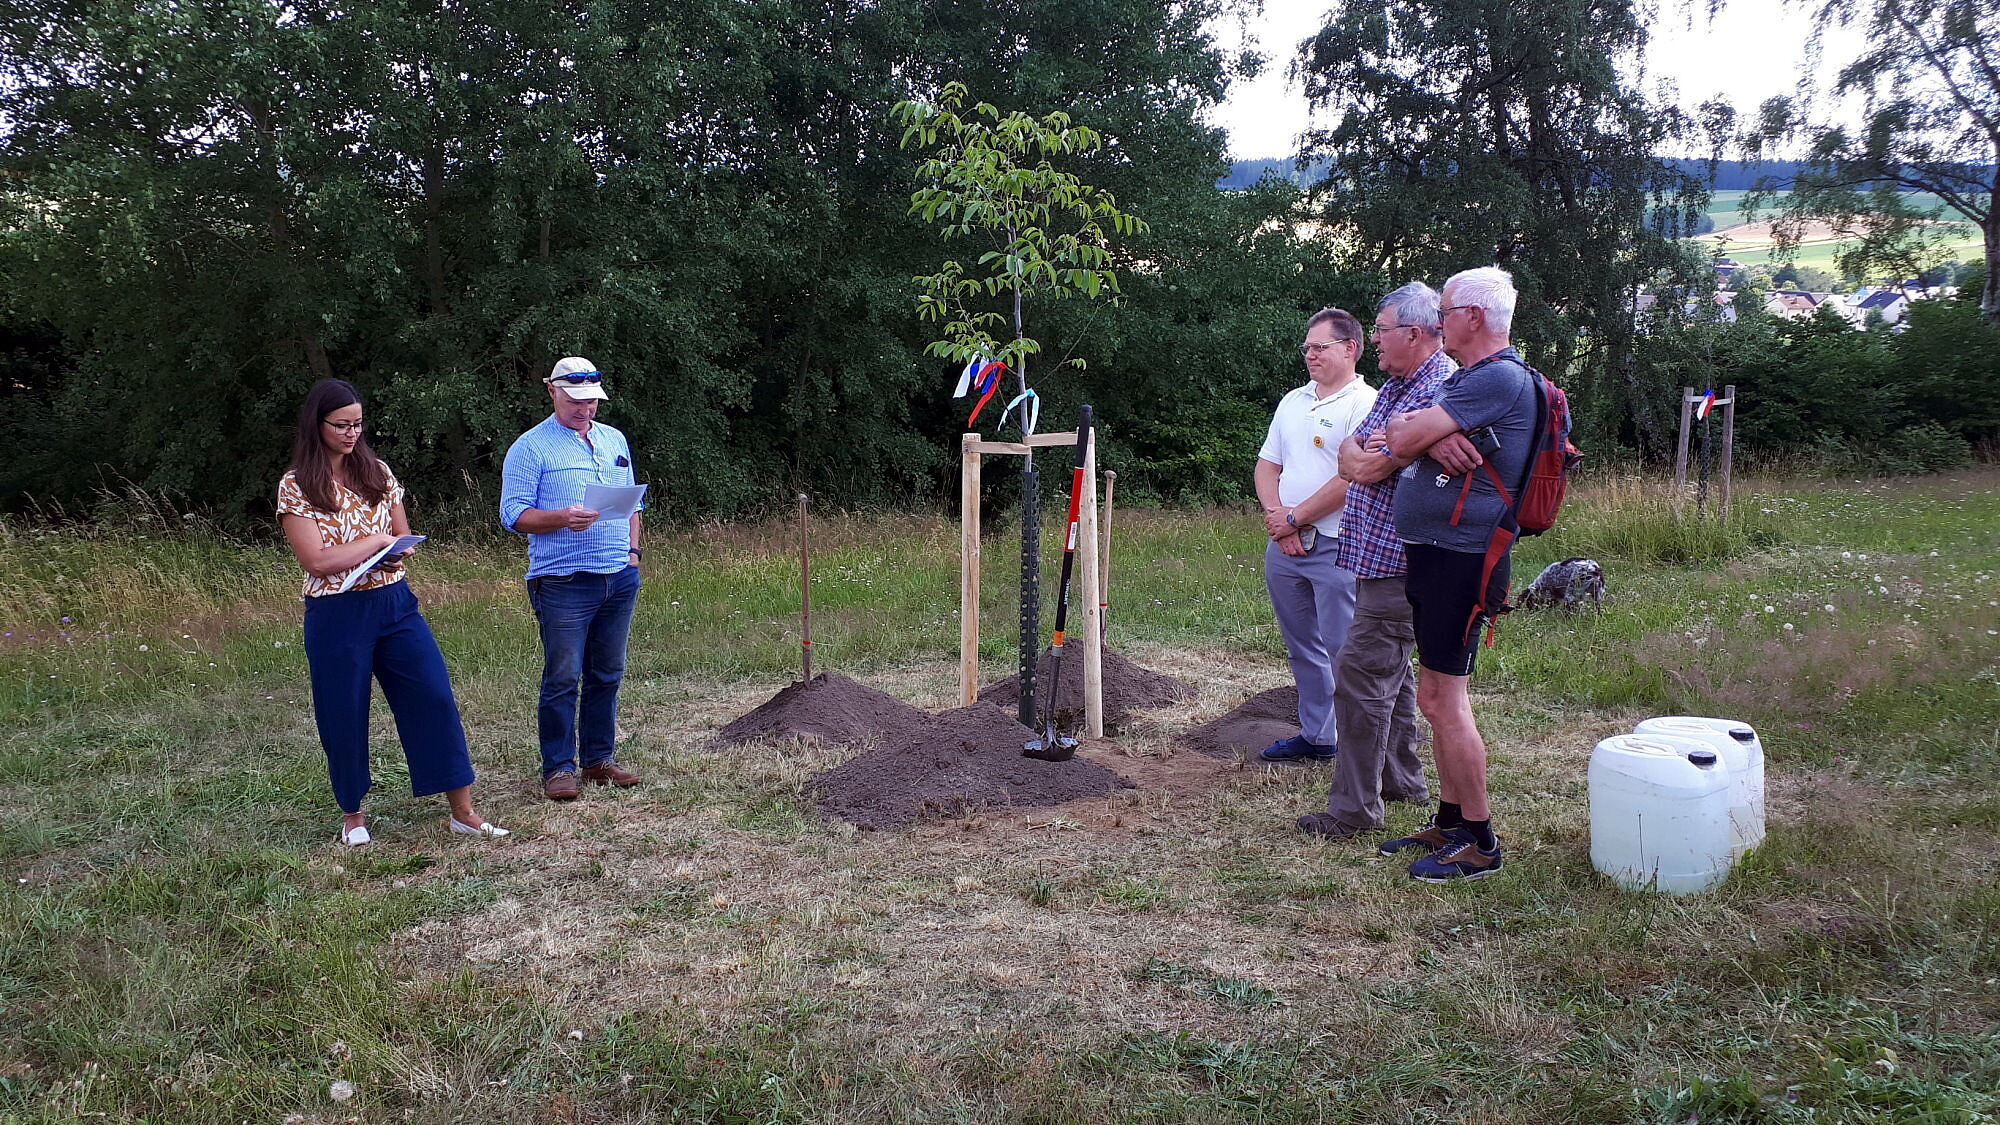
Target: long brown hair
{"points": [[314, 466]]}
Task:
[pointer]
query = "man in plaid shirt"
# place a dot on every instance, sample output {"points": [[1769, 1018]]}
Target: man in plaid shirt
{"points": [[1374, 695]]}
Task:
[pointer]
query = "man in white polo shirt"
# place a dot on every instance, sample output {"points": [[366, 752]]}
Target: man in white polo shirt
{"points": [[1302, 495]]}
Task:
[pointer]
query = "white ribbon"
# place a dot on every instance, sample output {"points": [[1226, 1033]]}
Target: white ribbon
{"points": [[1031, 414]]}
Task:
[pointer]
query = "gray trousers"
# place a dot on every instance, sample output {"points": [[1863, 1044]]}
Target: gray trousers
{"points": [[1314, 601], [1375, 703]]}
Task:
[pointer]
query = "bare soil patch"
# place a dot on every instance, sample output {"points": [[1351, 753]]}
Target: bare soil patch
{"points": [[952, 764], [1127, 688]]}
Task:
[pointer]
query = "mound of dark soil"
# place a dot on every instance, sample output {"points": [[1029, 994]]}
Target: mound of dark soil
{"points": [[1264, 718], [958, 762], [1127, 688], [831, 708]]}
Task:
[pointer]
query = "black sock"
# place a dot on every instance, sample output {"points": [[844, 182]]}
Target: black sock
{"points": [[1448, 815], [1482, 834]]}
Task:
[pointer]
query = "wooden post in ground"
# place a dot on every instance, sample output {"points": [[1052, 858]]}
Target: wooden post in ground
{"points": [[1104, 575], [1681, 450], [968, 571], [1093, 610], [971, 448], [1728, 405], [805, 599]]}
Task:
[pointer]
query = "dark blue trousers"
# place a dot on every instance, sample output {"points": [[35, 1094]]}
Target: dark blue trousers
{"points": [[379, 634]]}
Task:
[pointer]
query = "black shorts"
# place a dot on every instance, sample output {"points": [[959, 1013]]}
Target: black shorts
{"points": [[1443, 587]]}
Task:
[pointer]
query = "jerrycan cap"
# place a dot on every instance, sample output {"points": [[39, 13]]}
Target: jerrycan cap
{"points": [[1701, 759], [1743, 734]]}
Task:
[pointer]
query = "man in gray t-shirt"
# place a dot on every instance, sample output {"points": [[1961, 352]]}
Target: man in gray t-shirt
{"points": [[1445, 519], [1492, 402]]}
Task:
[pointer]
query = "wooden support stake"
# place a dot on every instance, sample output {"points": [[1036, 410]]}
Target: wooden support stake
{"points": [[1093, 610], [971, 448], [1104, 573], [1039, 441], [805, 599], [1728, 442], [1681, 451], [968, 571]]}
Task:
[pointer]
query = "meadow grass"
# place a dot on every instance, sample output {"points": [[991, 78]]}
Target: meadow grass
{"points": [[181, 941]]}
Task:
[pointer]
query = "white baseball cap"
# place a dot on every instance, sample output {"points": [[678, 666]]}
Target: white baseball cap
{"points": [[570, 367]]}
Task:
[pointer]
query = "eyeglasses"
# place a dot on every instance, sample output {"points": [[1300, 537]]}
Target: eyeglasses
{"points": [[1375, 330], [1317, 349], [1454, 308], [578, 378], [346, 427]]}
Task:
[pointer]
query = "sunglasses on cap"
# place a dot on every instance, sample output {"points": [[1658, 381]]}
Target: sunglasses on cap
{"points": [[578, 378]]}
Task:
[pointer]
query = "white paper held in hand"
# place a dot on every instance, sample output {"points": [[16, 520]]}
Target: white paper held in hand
{"points": [[613, 500], [392, 550]]}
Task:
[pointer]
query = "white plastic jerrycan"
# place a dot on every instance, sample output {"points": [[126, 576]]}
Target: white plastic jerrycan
{"points": [[1659, 813], [1742, 752]]}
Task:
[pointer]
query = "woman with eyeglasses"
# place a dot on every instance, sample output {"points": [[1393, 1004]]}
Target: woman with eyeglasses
{"points": [[340, 506]]}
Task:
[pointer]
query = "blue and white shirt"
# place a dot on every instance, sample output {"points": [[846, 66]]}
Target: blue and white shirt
{"points": [[547, 467]]}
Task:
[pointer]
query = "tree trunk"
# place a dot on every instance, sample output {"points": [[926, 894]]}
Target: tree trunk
{"points": [[280, 227], [1989, 298], [433, 236]]}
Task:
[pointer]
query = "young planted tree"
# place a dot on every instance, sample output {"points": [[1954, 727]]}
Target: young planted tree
{"points": [[1041, 232], [1929, 82]]}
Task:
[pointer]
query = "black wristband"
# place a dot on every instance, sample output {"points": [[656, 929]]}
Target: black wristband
{"points": [[638, 552]]}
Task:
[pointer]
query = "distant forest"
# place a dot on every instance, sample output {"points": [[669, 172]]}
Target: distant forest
{"points": [[1720, 175], [1727, 175]]}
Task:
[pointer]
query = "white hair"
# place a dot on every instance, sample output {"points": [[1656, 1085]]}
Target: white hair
{"points": [[1490, 288], [1415, 303]]}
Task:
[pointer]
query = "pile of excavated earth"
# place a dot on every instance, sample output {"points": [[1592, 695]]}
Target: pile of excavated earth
{"points": [[1127, 688], [914, 766], [1262, 719]]}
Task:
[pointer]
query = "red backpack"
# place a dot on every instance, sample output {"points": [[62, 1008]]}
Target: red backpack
{"points": [[1533, 508]]}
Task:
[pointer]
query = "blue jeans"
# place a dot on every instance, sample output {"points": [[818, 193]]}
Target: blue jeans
{"points": [[585, 619]]}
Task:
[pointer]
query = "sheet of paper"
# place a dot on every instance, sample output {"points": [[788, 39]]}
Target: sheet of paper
{"points": [[613, 501], [398, 547]]}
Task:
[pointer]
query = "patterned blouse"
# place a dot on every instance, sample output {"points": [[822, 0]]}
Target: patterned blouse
{"points": [[356, 519]]}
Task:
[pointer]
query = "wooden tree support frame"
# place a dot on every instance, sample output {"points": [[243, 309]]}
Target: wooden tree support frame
{"points": [[1725, 402], [1090, 635]]}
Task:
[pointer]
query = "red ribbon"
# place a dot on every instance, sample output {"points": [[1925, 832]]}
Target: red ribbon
{"points": [[988, 378]]}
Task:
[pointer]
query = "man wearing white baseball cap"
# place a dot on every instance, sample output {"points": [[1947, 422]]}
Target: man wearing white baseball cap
{"points": [[583, 576]]}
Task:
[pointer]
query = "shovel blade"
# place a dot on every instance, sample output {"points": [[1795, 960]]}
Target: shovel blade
{"points": [[1050, 748]]}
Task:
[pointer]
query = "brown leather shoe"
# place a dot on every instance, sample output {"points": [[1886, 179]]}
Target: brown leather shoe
{"points": [[1324, 825], [611, 773], [560, 786]]}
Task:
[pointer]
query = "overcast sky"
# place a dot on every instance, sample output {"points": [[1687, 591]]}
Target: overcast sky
{"points": [[1750, 52]]}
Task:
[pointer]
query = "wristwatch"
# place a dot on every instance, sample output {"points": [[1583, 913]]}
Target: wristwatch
{"points": [[1291, 519], [638, 552]]}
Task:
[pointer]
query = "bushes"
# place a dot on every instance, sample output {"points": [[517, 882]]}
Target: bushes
{"points": [[1918, 399]]}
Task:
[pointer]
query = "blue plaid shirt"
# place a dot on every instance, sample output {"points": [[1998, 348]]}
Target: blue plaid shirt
{"points": [[1368, 545]]}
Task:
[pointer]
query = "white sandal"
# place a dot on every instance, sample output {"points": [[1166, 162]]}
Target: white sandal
{"points": [[489, 830], [356, 836]]}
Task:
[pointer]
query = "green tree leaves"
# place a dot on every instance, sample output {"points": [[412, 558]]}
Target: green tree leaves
{"points": [[1929, 84], [988, 178]]}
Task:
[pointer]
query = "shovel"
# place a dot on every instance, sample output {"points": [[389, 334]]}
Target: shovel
{"points": [[1053, 747]]}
